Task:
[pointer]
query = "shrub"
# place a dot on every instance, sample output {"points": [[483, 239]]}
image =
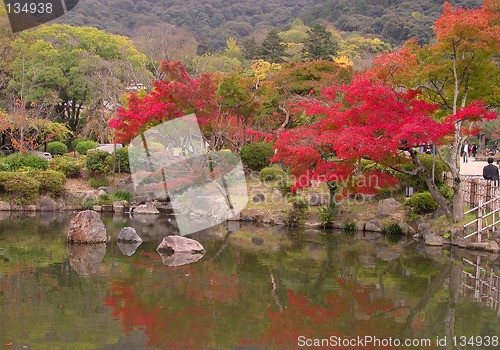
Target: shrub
{"points": [[98, 182], [69, 166], [122, 155], [348, 227], [99, 163], [88, 204], [284, 185], [421, 203], [57, 147], [105, 199], [18, 161], [297, 215], [256, 155], [122, 195], [83, 146], [416, 181], [21, 186], [392, 229], [272, 173], [327, 215], [446, 191], [51, 181]]}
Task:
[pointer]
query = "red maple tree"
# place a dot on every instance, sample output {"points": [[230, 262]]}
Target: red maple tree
{"points": [[364, 120], [176, 95], [458, 71]]}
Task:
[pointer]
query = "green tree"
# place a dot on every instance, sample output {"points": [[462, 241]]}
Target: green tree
{"points": [[251, 49], [319, 44], [273, 49], [59, 62]]}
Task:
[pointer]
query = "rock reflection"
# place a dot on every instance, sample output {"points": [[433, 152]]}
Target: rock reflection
{"points": [[85, 259], [179, 258], [128, 248]]}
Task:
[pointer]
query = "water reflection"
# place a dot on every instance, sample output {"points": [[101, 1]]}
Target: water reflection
{"points": [[239, 295], [85, 259], [128, 248], [179, 258]]}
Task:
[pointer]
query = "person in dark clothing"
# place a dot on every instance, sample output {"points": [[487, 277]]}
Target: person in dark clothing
{"points": [[490, 172], [474, 150]]}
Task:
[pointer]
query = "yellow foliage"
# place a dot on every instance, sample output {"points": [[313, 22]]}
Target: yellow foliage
{"points": [[343, 61], [262, 69]]}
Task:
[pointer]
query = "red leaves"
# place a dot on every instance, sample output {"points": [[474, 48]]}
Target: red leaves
{"points": [[372, 122], [474, 112], [468, 27], [169, 99]]}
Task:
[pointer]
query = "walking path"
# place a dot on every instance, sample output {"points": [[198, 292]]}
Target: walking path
{"points": [[473, 167]]}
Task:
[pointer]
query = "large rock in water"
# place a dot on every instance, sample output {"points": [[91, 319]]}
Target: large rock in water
{"points": [[180, 244], [87, 227]]}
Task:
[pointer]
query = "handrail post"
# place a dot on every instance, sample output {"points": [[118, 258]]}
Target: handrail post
{"points": [[479, 220]]}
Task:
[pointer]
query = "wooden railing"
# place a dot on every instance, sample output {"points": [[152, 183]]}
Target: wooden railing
{"points": [[487, 217], [476, 189], [482, 285], [483, 196]]}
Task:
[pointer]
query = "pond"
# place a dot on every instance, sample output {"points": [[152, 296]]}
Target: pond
{"points": [[255, 288]]}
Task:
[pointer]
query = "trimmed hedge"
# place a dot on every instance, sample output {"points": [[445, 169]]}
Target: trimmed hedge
{"points": [[271, 173], [69, 166], [57, 147], [85, 145], [18, 161], [256, 155], [22, 187], [51, 182], [421, 203]]}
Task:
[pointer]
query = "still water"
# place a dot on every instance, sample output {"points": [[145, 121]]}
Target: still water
{"points": [[255, 288]]}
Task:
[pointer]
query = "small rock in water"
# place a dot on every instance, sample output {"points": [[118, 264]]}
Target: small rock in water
{"points": [[128, 234]]}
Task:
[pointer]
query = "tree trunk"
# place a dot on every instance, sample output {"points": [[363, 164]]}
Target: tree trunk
{"points": [[433, 189], [332, 187]]}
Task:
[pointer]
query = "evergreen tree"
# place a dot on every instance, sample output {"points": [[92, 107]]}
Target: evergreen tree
{"points": [[319, 44], [273, 49], [251, 49], [204, 46]]}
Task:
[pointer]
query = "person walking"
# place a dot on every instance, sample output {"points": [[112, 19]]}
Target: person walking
{"points": [[490, 172], [465, 152], [474, 150]]}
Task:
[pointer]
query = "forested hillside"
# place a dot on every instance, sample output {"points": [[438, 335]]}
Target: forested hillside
{"points": [[392, 20]]}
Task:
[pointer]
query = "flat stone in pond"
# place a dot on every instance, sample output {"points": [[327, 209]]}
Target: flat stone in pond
{"points": [[180, 244], [146, 209]]}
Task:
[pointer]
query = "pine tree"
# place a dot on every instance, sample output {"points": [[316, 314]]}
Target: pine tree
{"points": [[250, 49], [273, 49], [319, 44], [204, 46]]}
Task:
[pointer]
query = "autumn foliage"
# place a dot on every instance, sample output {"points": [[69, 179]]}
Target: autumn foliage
{"points": [[175, 96], [366, 119]]}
